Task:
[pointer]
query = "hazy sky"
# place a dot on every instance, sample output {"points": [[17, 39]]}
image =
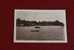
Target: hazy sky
{"points": [[41, 15]]}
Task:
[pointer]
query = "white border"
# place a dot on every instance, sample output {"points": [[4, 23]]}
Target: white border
{"points": [[33, 41]]}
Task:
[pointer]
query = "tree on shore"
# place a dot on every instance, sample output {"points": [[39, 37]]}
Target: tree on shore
{"points": [[20, 22]]}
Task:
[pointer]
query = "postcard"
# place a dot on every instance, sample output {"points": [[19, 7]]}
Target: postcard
{"points": [[40, 26]]}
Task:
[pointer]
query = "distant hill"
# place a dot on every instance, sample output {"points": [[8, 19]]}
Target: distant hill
{"points": [[34, 23]]}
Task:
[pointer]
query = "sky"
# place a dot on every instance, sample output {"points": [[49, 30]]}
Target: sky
{"points": [[41, 15]]}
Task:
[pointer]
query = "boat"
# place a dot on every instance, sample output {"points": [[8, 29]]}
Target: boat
{"points": [[37, 27]]}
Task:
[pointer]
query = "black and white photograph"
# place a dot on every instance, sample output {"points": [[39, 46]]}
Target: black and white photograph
{"points": [[40, 26]]}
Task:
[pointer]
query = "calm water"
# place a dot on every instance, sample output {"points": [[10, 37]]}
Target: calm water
{"points": [[45, 33]]}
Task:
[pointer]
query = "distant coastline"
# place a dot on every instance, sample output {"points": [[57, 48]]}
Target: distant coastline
{"points": [[20, 22]]}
